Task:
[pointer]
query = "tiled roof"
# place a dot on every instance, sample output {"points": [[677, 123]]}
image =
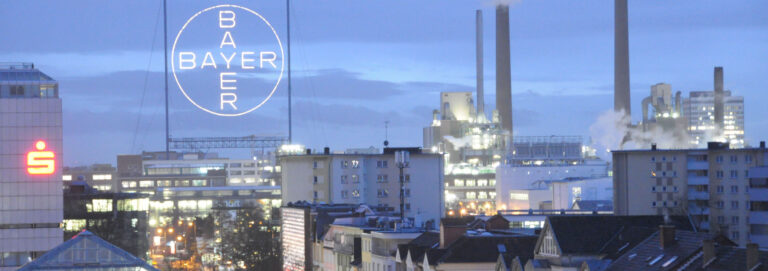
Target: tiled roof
{"points": [[591, 234], [649, 255], [487, 248], [729, 258]]}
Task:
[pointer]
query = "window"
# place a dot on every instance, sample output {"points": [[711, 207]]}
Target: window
{"points": [[102, 177], [314, 194], [129, 184], [355, 178], [344, 164], [719, 159], [470, 182], [382, 178], [355, 164], [482, 182], [407, 193], [482, 195], [314, 164], [381, 164], [735, 235], [471, 195], [355, 193], [734, 159], [492, 194], [720, 174], [407, 207], [314, 179], [17, 90], [66, 177], [735, 204], [720, 219], [734, 189], [492, 182], [458, 182], [146, 183], [382, 193], [735, 220], [720, 204], [720, 189], [407, 178], [344, 179], [99, 205], [518, 196], [734, 174], [748, 159], [344, 194]]}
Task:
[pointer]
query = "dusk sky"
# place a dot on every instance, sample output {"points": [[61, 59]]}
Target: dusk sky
{"points": [[357, 64]]}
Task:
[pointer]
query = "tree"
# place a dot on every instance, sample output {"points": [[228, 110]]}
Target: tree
{"points": [[248, 240]]}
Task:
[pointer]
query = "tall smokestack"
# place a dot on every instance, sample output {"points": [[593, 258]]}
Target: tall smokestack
{"points": [[719, 112], [479, 67], [621, 98], [503, 73]]}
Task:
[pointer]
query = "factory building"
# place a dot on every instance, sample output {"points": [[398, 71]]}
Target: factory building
{"points": [[711, 186], [30, 164]]}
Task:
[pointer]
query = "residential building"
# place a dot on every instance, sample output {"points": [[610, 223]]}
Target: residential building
{"points": [[699, 110], [709, 185], [758, 210], [102, 177], [370, 179], [30, 164], [86, 251], [121, 218]]}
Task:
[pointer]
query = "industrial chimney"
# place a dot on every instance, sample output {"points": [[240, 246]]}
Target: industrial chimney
{"points": [[719, 107], [621, 98], [479, 67], [503, 73]]}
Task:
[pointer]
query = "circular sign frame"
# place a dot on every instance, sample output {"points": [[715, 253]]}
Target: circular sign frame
{"points": [[277, 83]]}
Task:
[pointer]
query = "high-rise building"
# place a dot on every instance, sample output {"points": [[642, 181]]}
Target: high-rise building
{"points": [[699, 110], [102, 177], [711, 186], [30, 164], [364, 178]]}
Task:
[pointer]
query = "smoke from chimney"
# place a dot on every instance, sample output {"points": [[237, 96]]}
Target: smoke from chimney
{"points": [[621, 97], [479, 67], [503, 70]]}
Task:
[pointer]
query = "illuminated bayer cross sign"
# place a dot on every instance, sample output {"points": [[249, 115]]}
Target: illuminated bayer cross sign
{"points": [[227, 60]]}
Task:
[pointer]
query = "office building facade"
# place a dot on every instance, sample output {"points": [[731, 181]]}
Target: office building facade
{"points": [[30, 165], [699, 110], [712, 186]]}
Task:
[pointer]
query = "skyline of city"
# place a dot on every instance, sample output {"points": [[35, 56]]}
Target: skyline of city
{"points": [[101, 100]]}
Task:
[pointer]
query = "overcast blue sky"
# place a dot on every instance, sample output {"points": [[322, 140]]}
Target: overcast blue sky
{"points": [[358, 63]]}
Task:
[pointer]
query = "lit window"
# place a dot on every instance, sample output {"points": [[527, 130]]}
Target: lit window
{"points": [[66, 177], [102, 177], [518, 196]]}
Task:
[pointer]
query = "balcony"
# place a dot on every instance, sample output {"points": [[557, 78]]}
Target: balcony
{"points": [[758, 193], [698, 180], [698, 165], [698, 195], [758, 217]]}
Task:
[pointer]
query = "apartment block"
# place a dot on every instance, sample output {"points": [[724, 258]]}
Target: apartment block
{"points": [[365, 178], [712, 186]]}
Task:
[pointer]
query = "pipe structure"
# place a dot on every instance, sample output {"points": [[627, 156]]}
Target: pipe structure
{"points": [[646, 102], [503, 70], [479, 64], [621, 96], [677, 104]]}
